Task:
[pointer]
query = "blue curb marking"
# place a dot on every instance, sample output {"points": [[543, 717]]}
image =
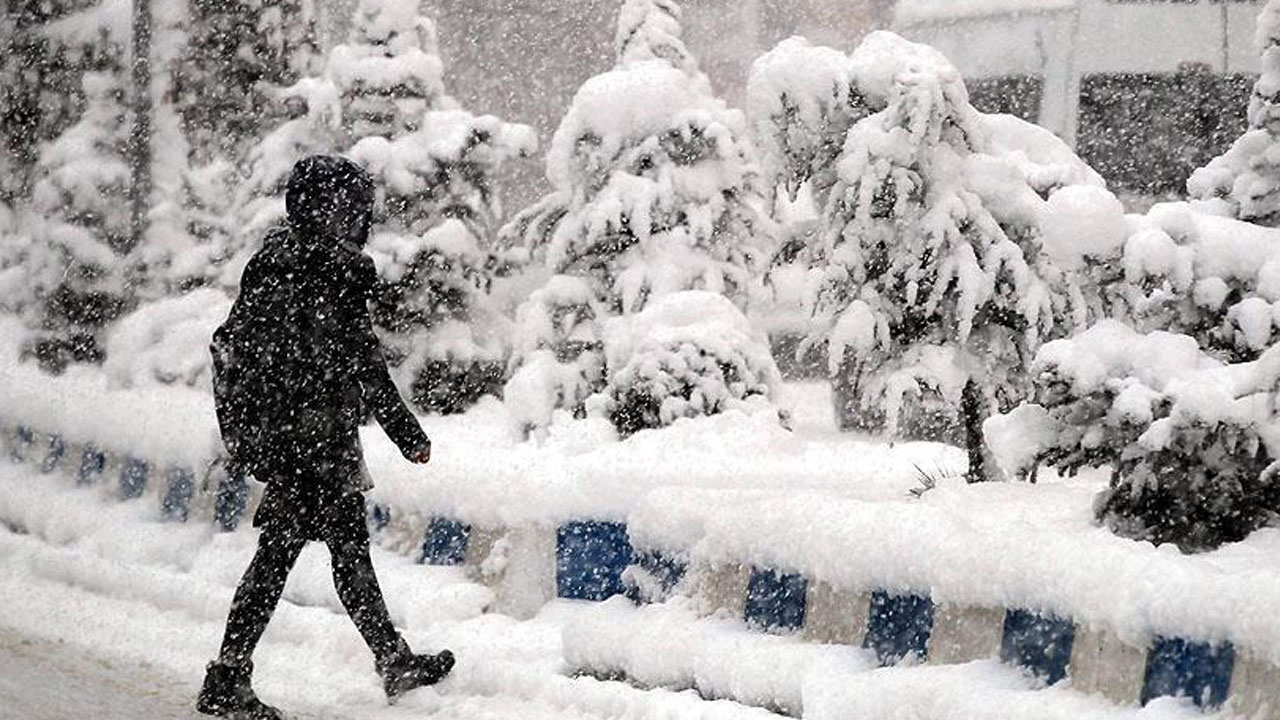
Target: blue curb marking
{"points": [[377, 517], [232, 497], [1039, 643], [667, 570], [445, 542], [53, 455], [590, 559], [1200, 671], [92, 462], [898, 627], [23, 438], [775, 601], [133, 478], [177, 499]]}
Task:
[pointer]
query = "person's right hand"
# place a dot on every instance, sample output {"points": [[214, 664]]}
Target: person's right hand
{"points": [[421, 457]]}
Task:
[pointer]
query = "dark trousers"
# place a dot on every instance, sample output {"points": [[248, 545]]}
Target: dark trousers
{"points": [[259, 591]]}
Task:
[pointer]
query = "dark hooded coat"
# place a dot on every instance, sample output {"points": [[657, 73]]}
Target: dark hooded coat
{"points": [[297, 365]]}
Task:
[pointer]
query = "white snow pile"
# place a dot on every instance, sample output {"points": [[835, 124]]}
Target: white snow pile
{"points": [[687, 355], [166, 341]]}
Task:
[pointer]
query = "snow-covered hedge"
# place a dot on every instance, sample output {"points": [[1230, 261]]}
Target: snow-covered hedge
{"points": [[687, 355], [1212, 278], [1190, 441], [654, 191]]}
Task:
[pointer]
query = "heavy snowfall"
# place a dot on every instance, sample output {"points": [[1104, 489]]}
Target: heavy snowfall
{"points": [[866, 359]]}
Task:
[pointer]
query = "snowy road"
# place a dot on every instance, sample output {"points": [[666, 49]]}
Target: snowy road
{"points": [[45, 680]]}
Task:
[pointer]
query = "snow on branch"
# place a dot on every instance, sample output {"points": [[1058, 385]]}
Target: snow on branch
{"points": [[650, 30]]}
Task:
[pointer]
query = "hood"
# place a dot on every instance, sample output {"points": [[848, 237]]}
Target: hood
{"points": [[329, 201]]}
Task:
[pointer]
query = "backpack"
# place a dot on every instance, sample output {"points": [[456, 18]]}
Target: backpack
{"points": [[266, 362]]}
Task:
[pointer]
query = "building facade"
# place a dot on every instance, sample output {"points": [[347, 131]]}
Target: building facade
{"points": [[1145, 90]]}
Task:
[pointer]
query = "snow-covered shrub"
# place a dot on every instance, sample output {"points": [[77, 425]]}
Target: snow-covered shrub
{"points": [[689, 354], [166, 341], [76, 278], [1245, 181], [940, 268], [1212, 278], [1189, 440], [235, 53], [434, 165], [438, 332], [558, 358], [655, 184]]}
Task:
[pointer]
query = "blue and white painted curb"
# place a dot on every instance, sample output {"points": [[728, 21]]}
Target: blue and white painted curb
{"points": [[593, 560]]}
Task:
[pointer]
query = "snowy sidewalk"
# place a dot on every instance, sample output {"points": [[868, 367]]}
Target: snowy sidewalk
{"points": [[106, 614]]}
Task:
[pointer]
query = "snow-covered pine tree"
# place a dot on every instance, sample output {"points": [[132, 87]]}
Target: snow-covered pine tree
{"points": [[313, 126], [802, 100], [936, 278], [558, 354], [238, 51], [655, 184], [389, 71], [76, 264], [434, 163], [45, 49], [1245, 181]]}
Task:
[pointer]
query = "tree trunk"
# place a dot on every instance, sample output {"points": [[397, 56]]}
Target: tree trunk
{"points": [[972, 407], [140, 138]]}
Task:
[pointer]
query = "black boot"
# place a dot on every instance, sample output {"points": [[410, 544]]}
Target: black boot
{"points": [[404, 671], [227, 693]]}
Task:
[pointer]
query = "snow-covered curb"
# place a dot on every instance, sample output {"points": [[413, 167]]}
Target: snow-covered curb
{"points": [[730, 502]]}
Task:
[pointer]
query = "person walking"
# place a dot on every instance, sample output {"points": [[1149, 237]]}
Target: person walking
{"points": [[297, 369]]}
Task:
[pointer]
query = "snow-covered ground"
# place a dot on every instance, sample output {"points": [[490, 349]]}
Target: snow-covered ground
{"points": [[105, 613]]}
